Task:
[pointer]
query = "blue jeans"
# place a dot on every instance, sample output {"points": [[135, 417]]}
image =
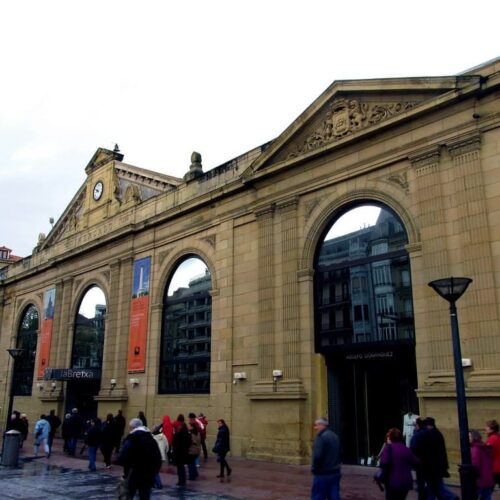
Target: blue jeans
{"points": [[484, 493], [92, 453], [72, 446], [326, 487], [437, 489]]}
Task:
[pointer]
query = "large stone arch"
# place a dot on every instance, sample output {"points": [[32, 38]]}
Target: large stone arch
{"points": [[203, 251], [322, 215], [82, 289], [21, 309]]}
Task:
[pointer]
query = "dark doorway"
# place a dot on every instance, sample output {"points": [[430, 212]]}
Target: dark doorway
{"points": [[80, 394], [369, 392]]}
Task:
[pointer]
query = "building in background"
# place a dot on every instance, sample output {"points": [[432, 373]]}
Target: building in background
{"points": [[287, 283]]}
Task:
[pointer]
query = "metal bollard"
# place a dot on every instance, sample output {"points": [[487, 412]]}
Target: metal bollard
{"points": [[11, 442]]}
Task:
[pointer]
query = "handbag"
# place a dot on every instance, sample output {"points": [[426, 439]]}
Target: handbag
{"points": [[381, 475]]}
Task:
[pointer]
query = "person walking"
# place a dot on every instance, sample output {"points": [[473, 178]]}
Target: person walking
{"points": [[325, 463], [493, 440], [222, 447], [434, 462], [108, 438], [55, 423], [204, 421], [193, 450], [398, 461], [168, 431], [163, 446], [93, 439], [483, 465], [74, 430], [41, 432], [415, 447], [181, 445], [25, 426], [142, 418], [120, 424], [194, 421], [141, 460]]}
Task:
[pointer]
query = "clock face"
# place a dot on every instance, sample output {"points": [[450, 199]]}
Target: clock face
{"points": [[98, 189]]}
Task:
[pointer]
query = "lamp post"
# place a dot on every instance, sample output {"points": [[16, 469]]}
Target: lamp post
{"points": [[451, 289], [15, 354]]}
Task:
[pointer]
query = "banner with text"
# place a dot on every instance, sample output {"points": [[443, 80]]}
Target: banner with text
{"points": [[139, 316], [49, 299]]}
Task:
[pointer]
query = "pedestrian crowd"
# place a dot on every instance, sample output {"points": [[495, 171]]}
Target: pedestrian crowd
{"points": [[142, 452], [425, 455]]}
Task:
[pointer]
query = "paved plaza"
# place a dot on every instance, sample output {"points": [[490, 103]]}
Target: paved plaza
{"points": [[62, 477]]}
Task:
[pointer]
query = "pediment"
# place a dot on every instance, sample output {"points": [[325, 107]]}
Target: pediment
{"points": [[101, 157], [350, 109], [125, 186]]}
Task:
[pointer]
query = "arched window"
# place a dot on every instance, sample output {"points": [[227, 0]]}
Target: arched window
{"points": [[363, 288], [25, 365], [186, 330], [90, 320], [88, 344]]}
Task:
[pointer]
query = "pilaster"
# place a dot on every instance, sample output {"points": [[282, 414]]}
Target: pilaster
{"points": [[266, 306]]}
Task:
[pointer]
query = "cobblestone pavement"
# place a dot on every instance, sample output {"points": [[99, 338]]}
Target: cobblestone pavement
{"points": [[62, 477]]}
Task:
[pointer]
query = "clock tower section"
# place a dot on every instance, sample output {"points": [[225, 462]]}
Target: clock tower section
{"points": [[101, 186]]}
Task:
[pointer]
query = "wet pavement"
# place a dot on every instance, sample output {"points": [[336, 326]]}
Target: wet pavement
{"points": [[63, 477]]}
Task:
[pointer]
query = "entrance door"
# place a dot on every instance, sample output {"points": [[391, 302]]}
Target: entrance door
{"points": [[369, 393], [80, 394]]}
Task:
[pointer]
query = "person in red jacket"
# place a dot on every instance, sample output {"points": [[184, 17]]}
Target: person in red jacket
{"points": [[493, 440], [483, 465]]}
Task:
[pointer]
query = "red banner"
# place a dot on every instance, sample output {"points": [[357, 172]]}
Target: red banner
{"points": [[45, 340], [138, 334], [49, 299]]}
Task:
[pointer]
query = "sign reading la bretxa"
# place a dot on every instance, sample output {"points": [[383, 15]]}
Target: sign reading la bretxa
{"points": [[71, 374]]}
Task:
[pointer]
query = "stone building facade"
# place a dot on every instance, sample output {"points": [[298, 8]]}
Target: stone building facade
{"points": [[295, 327]]}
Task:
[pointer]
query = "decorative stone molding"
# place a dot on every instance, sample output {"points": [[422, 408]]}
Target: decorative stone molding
{"points": [[305, 274], [265, 211], [284, 389], [400, 179], [426, 161], [163, 255], [210, 240], [288, 204], [345, 117], [464, 145]]}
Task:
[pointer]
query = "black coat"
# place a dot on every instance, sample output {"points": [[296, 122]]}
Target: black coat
{"points": [[140, 457], [222, 445], [429, 447], [181, 443]]}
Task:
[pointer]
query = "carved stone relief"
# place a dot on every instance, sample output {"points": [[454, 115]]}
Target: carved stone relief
{"points": [[400, 179], [346, 116]]}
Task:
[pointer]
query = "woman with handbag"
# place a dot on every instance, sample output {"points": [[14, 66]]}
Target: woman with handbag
{"points": [[396, 464]]}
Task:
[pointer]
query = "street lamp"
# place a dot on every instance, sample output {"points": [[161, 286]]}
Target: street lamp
{"points": [[451, 289], [16, 354]]}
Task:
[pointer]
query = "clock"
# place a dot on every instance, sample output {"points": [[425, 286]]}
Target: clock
{"points": [[98, 189]]}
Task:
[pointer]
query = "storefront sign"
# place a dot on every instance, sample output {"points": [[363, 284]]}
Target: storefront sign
{"points": [[72, 374], [370, 355]]}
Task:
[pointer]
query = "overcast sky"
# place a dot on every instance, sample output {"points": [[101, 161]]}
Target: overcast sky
{"points": [[165, 78]]}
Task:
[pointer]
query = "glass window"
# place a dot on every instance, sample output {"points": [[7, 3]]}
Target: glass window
{"points": [[363, 254], [90, 322], [25, 365], [186, 330]]}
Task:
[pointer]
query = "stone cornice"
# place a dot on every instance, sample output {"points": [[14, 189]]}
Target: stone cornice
{"points": [[464, 145]]}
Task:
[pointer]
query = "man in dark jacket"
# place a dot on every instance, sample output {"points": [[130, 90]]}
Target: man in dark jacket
{"points": [[430, 449], [55, 423], [325, 463], [141, 460]]}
